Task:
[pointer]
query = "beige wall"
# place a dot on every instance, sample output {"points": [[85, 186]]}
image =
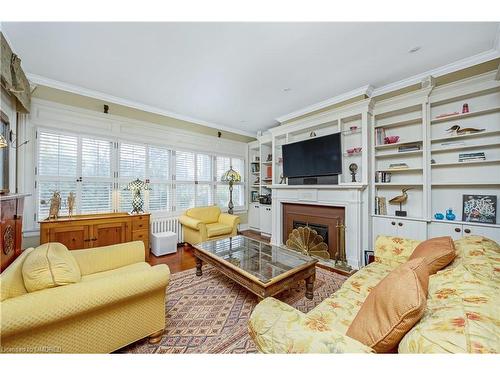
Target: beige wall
{"points": [[85, 102]]}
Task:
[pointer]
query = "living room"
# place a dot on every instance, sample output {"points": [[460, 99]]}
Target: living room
{"points": [[250, 187]]}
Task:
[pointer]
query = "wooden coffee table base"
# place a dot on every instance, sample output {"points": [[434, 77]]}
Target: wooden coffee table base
{"points": [[257, 287]]}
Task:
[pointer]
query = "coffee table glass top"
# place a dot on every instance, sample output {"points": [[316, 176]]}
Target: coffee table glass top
{"points": [[260, 259]]}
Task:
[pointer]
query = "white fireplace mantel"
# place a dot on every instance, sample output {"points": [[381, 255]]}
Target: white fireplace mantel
{"points": [[347, 196]]}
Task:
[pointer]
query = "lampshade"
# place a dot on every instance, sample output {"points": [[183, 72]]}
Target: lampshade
{"points": [[3, 141], [137, 185], [231, 176]]}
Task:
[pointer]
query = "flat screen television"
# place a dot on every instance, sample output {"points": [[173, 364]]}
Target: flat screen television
{"points": [[321, 156]]}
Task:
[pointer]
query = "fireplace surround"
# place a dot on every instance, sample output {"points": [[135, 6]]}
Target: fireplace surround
{"points": [[348, 197]]}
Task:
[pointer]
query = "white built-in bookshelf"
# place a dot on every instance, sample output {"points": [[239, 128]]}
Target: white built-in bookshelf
{"points": [[437, 176]]}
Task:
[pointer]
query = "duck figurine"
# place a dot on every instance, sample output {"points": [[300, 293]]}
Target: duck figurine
{"points": [[400, 199], [461, 131]]}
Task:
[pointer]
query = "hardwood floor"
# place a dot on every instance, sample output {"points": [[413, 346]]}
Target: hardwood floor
{"points": [[184, 259]]}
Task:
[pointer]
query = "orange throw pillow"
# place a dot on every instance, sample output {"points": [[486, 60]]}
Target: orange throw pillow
{"points": [[438, 253], [393, 307]]}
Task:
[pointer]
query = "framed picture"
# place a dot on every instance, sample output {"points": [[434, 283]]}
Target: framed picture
{"points": [[479, 208]]}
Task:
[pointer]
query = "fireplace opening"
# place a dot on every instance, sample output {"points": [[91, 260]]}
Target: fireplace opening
{"points": [[322, 230]]}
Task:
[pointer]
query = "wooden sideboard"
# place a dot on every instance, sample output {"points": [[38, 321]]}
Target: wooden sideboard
{"points": [[11, 223], [87, 231]]}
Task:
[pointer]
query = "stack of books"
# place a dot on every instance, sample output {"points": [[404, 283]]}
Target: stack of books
{"points": [[381, 176], [398, 166], [471, 157], [379, 136], [380, 206], [406, 148]]}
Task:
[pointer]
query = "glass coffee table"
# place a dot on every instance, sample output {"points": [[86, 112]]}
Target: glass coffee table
{"points": [[263, 269]]}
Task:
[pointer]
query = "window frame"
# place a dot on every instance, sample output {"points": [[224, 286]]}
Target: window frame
{"points": [[116, 180]]}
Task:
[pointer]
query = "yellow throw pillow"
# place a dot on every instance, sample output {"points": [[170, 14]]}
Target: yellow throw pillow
{"points": [[50, 265], [393, 307]]}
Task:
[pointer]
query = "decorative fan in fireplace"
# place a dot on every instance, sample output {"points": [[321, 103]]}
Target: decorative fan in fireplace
{"points": [[308, 242]]}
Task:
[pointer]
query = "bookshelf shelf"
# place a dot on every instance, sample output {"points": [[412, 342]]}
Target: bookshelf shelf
{"points": [[397, 144], [401, 170], [389, 184], [463, 163], [400, 217], [465, 183], [396, 154], [411, 121], [465, 147], [472, 135], [465, 115]]}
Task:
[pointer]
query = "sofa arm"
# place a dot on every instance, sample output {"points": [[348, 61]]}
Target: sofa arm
{"points": [[228, 219], [48, 306], [107, 258], [191, 222], [277, 327]]}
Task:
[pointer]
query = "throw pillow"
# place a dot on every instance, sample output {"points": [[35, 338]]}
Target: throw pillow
{"points": [[48, 266], [438, 253], [393, 307]]}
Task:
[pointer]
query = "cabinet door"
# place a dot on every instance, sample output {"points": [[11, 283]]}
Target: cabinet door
{"points": [[254, 216], [265, 219], [489, 232], [453, 230], [384, 227], [416, 230], [109, 233], [74, 237]]}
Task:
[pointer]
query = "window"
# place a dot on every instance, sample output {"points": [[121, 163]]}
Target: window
{"points": [[132, 165], [160, 195], [97, 171], [69, 163]]}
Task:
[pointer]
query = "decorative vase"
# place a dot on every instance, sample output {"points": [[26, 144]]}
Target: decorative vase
{"points": [[450, 215], [438, 216]]}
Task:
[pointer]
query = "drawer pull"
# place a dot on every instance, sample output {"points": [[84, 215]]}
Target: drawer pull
{"points": [[457, 230], [400, 224], [393, 222], [467, 230]]}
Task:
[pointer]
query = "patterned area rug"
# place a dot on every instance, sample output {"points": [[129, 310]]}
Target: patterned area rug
{"points": [[209, 314]]}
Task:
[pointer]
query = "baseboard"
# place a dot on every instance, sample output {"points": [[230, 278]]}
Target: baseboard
{"points": [[244, 227]]}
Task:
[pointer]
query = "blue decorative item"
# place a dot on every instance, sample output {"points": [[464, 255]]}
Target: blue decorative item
{"points": [[450, 215], [439, 216]]}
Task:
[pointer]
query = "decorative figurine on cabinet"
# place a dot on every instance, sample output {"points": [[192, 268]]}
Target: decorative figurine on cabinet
{"points": [[450, 215], [354, 169], [71, 203], [438, 216], [400, 199], [55, 205]]}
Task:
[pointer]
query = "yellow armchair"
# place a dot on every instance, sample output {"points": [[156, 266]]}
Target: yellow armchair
{"points": [[119, 300], [207, 223]]}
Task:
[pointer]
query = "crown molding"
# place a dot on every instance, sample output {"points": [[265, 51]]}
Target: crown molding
{"points": [[365, 90], [44, 81], [370, 91], [437, 72]]}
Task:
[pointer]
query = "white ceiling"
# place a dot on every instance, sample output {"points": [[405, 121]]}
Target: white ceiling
{"points": [[234, 74]]}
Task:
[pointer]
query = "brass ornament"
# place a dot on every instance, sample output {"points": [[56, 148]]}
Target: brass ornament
{"points": [[308, 242]]}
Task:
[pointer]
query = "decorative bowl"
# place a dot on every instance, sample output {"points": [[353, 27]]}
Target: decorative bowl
{"points": [[353, 128], [391, 139], [353, 150]]}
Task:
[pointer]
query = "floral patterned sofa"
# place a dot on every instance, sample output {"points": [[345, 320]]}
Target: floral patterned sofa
{"points": [[462, 314]]}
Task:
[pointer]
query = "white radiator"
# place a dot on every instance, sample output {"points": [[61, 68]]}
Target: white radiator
{"points": [[167, 224]]}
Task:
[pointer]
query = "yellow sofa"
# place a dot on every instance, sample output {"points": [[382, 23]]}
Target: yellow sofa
{"points": [[207, 223], [462, 314], [120, 299]]}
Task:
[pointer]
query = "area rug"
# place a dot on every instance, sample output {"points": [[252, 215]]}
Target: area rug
{"points": [[209, 314]]}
